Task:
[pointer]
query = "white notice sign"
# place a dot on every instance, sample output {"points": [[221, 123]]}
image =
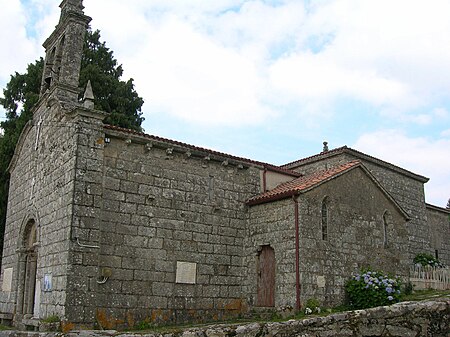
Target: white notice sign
{"points": [[186, 272], [321, 281], [7, 279]]}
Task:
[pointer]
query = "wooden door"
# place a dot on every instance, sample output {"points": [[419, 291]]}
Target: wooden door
{"points": [[266, 277]]}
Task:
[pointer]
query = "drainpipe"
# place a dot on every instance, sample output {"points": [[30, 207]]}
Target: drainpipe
{"points": [[297, 254]]}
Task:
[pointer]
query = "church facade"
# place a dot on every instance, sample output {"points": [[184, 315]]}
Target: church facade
{"points": [[108, 227]]}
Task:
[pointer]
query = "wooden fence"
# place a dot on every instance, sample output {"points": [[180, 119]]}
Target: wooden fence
{"points": [[430, 277]]}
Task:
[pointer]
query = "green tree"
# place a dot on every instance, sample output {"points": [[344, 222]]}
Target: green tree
{"points": [[112, 95]]}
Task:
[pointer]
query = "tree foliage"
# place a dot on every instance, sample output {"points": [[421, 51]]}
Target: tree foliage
{"points": [[112, 95]]}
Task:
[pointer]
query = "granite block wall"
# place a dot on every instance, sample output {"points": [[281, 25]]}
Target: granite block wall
{"points": [[273, 224], [355, 236], [355, 239], [406, 188], [41, 190], [170, 227], [439, 222]]}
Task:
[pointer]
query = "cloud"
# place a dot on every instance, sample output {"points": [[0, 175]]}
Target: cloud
{"points": [[183, 70], [17, 48], [424, 156], [237, 62], [392, 56]]}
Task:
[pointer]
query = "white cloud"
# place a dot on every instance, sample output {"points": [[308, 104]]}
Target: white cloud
{"points": [[424, 156], [17, 49], [392, 55], [251, 56], [183, 69], [216, 86]]}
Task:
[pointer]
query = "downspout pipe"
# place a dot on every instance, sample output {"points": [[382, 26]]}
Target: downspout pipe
{"points": [[297, 254]]}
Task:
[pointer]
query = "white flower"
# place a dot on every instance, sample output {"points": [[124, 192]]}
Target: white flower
{"points": [[308, 311]]}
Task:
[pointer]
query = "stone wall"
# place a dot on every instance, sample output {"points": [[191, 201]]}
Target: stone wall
{"points": [[153, 210], [439, 223], [86, 222], [355, 239], [41, 189], [355, 236], [273, 225], [405, 188], [420, 319]]}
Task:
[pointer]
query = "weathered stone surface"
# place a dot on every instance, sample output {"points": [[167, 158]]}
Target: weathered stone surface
{"points": [[417, 319], [116, 211]]}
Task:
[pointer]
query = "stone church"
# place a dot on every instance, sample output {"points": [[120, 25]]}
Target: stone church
{"points": [[108, 227]]}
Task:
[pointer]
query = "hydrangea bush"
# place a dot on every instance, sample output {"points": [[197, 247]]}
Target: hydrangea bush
{"points": [[425, 259], [369, 289]]}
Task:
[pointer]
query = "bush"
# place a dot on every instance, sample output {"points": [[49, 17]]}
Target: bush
{"points": [[371, 289], [426, 259], [312, 306]]}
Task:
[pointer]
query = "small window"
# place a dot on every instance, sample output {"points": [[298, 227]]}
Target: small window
{"points": [[325, 217]]}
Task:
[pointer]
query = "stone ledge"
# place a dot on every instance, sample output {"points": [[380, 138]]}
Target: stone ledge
{"points": [[426, 318]]}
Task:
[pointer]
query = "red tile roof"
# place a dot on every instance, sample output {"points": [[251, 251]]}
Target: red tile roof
{"points": [[302, 184]]}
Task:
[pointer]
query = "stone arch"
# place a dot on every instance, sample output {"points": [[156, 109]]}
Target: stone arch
{"points": [[31, 216], [27, 269]]}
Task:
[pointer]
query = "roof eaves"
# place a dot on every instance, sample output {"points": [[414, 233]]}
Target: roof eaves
{"points": [[393, 167], [269, 197], [147, 137], [437, 208], [315, 157], [356, 164], [358, 154]]}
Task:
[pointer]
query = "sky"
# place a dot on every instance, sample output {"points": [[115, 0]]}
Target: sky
{"points": [[270, 80]]}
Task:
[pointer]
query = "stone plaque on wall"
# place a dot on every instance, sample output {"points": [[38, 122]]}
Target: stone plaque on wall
{"points": [[7, 279], [321, 281], [186, 272]]}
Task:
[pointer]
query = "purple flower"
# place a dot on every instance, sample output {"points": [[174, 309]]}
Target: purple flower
{"points": [[390, 298]]}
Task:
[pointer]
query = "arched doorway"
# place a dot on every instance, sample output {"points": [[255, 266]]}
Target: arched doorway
{"points": [[28, 269], [266, 277]]}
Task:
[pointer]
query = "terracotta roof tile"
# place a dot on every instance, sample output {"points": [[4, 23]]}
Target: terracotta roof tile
{"points": [[302, 184]]}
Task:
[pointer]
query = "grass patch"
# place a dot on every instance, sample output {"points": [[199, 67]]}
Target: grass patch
{"points": [[145, 327], [429, 294], [4, 327]]}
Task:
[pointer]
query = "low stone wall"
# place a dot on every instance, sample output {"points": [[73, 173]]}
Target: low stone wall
{"points": [[407, 319]]}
